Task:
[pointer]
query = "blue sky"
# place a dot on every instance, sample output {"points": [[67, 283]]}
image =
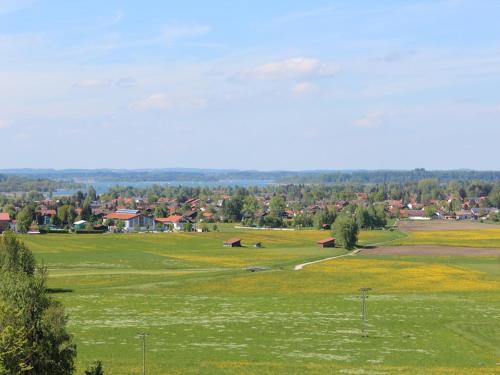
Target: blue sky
{"points": [[250, 84]]}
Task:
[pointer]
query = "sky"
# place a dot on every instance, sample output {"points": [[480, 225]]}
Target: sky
{"points": [[267, 85]]}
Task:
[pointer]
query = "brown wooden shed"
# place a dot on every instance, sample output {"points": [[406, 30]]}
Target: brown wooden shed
{"points": [[327, 242], [233, 242]]}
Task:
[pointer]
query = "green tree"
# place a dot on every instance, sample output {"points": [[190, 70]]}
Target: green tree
{"points": [[24, 218], [363, 217], [120, 225], [86, 211], [66, 214], [430, 211], [160, 212], [325, 216], [277, 207], [33, 337], [250, 206], [345, 230], [91, 193], [231, 209], [15, 257]]}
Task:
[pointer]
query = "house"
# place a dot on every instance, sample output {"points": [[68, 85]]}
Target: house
{"points": [[5, 222], [464, 215], [416, 215], [208, 216], [327, 242], [45, 215], [233, 242], [394, 204], [132, 219], [445, 215], [415, 206], [79, 225], [176, 221], [483, 212]]}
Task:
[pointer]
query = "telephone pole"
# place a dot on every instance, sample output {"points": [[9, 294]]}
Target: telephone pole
{"points": [[143, 336], [364, 296]]}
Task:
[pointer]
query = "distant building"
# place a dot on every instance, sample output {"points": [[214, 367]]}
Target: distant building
{"points": [[464, 215], [327, 242], [417, 215], [132, 219], [79, 225], [5, 222], [233, 242], [176, 221], [45, 215]]}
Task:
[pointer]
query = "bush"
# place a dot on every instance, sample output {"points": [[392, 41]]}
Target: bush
{"points": [[95, 369]]}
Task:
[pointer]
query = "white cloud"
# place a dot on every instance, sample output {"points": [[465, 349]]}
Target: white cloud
{"points": [[371, 120], [153, 102], [293, 67], [303, 88], [98, 83], [161, 102], [175, 32], [4, 124], [92, 83], [126, 82]]}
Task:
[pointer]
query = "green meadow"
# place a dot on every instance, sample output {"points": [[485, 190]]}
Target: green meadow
{"points": [[206, 314]]}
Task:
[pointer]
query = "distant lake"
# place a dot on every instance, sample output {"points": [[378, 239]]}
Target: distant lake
{"points": [[103, 186]]}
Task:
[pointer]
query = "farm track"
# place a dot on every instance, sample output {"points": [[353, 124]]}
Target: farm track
{"points": [[298, 267]]}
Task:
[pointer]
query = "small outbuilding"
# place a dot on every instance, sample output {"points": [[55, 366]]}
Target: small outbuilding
{"points": [[327, 242], [80, 224], [233, 242]]}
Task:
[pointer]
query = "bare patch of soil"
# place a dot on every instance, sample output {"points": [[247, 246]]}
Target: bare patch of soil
{"points": [[432, 250], [439, 225]]}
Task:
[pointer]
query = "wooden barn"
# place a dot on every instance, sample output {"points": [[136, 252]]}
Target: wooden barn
{"points": [[327, 242], [233, 242]]}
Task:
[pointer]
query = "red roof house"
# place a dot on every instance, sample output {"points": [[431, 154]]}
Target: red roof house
{"points": [[4, 221]]}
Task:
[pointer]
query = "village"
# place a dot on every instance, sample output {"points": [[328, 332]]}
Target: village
{"points": [[89, 213]]}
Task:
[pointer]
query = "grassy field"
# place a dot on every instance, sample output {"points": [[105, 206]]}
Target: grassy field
{"points": [[206, 315], [483, 237]]}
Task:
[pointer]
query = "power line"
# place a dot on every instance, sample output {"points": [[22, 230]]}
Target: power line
{"points": [[364, 296], [143, 335]]}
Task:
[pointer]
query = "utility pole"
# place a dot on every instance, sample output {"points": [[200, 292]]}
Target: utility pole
{"points": [[364, 296], [142, 336]]}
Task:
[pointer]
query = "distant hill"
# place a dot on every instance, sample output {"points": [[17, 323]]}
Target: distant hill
{"points": [[282, 177]]}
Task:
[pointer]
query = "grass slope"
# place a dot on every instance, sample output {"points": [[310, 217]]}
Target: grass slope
{"points": [[206, 315]]}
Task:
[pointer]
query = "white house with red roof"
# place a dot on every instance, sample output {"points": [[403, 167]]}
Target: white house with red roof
{"points": [[176, 221], [131, 218]]}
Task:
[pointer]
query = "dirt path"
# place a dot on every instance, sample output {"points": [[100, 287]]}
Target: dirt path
{"points": [[298, 267]]}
